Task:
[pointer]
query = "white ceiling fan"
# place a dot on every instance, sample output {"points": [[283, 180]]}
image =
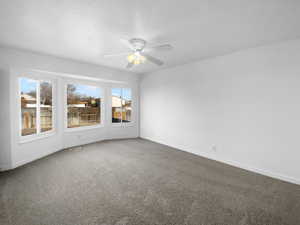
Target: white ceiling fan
{"points": [[139, 52]]}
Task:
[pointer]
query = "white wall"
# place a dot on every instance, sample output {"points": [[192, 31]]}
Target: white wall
{"points": [[242, 109], [20, 63], [5, 144]]}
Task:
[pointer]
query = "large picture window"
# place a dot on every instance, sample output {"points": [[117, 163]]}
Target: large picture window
{"points": [[121, 105], [84, 105], [36, 106]]}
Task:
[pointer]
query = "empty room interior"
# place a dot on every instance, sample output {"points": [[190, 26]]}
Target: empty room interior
{"points": [[171, 112]]}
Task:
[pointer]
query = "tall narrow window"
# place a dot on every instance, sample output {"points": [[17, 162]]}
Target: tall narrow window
{"points": [[121, 105], [36, 106], [117, 105], [28, 106], [84, 105], [45, 106], [126, 105]]}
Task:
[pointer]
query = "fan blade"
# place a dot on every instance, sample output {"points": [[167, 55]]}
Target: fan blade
{"points": [[153, 59], [116, 54], [163, 47], [127, 43], [129, 65]]}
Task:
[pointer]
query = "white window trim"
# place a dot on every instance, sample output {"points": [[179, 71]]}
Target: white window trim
{"points": [[39, 135], [122, 124], [102, 106]]}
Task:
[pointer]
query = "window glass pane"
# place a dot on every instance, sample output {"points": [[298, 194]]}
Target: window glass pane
{"points": [[45, 106], [28, 106], [126, 105], [84, 104], [116, 105]]}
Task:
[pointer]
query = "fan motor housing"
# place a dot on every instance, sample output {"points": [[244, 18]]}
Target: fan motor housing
{"points": [[138, 44]]}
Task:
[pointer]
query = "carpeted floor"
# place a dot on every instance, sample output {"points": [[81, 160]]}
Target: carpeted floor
{"points": [[140, 182]]}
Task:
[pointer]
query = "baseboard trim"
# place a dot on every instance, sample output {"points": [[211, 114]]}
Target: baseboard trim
{"points": [[4, 167], [45, 154], [234, 163], [29, 160]]}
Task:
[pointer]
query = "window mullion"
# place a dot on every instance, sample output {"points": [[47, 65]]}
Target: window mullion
{"points": [[121, 106], [53, 101], [38, 111]]}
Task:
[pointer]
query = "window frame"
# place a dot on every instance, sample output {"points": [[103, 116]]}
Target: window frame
{"points": [[122, 124], [102, 105], [38, 135]]}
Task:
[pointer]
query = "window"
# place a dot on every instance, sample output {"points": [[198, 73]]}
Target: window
{"points": [[121, 105], [36, 106], [84, 105], [46, 106]]}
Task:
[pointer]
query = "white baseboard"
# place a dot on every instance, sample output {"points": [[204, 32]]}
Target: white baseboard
{"points": [[229, 162], [44, 154], [4, 167], [35, 157], [235, 164], [261, 171]]}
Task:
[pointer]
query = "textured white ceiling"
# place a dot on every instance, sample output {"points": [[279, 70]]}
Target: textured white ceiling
{"points": [[86, 29]]}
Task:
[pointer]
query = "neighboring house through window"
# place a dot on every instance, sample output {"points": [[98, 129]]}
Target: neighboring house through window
{"points": [[84, 105], [121, 105], [36, 106]]}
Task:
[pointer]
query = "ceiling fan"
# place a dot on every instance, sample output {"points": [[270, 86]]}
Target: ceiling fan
{"points": [[138, 52]]}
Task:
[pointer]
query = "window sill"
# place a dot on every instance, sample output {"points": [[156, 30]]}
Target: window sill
{"points": [[32, 138], [77, 129], [130, 124]]}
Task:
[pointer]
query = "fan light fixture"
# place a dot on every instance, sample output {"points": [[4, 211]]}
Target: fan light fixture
{"points": [[136, 58], [137, 53]]}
